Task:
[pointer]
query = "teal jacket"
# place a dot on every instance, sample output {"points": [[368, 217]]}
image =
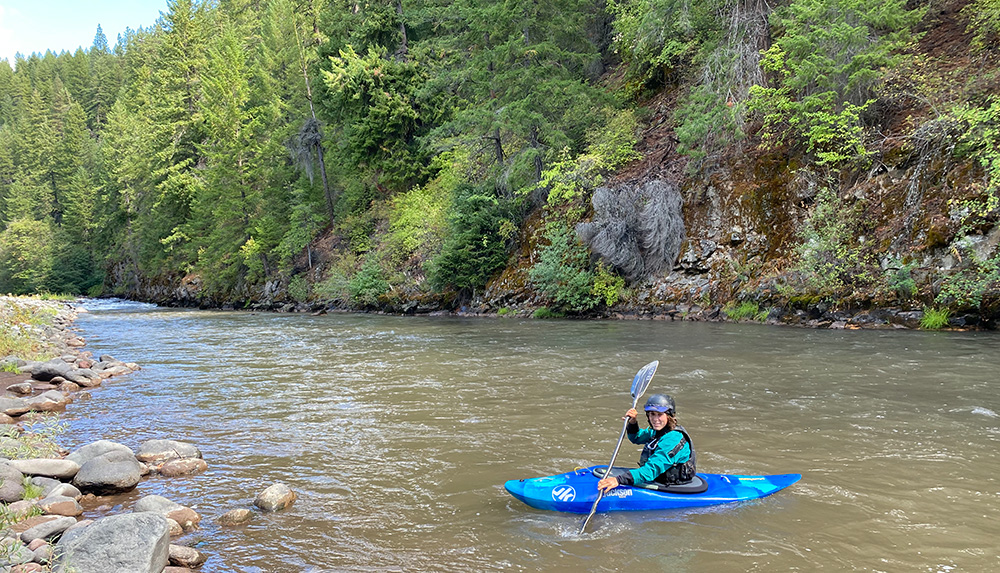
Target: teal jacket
{"points": [[660, 459]]}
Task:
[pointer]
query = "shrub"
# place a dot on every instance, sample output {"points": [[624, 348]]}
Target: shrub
{"points": [[832, 260], [562, 272], [368, 284], [475, 247], [825, 65], [298, 288]]}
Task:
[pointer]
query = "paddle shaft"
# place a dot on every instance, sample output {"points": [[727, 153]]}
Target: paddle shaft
{"points": [[600, 494]]}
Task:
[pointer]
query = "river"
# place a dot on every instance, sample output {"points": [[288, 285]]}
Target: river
{"points": [[397, 433]]}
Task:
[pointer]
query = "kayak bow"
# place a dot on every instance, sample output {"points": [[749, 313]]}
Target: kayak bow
{"points": [[575, 492]]}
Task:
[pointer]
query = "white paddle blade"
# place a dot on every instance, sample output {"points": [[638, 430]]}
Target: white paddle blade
{"points": [[642, 379]]}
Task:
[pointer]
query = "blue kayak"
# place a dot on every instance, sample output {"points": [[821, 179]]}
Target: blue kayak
{"points": [[575, 491]]}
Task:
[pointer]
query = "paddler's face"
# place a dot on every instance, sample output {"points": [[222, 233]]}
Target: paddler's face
{"points": [[658, 420]]}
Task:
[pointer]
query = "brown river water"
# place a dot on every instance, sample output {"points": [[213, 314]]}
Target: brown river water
{"points": [[397, 433]]}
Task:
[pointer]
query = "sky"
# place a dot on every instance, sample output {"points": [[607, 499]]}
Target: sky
{"points": [[28, 26]]}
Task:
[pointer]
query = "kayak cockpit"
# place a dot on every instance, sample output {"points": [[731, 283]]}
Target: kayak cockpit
{"points": [[696, 485]]}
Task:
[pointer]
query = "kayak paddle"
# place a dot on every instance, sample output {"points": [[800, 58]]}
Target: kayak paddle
{"points": [[639, 385]]}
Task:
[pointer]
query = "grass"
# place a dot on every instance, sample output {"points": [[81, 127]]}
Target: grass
{"points": [[38, 438], [935, 318], [745, 311], [546, 312], [18, 318]]}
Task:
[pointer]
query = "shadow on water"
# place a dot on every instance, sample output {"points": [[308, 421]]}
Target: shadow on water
{"points": [[398, 433]]}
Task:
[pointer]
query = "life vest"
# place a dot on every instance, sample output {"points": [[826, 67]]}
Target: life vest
{"points": [[677, 473]]}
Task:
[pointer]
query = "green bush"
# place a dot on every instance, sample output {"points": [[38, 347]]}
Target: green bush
{"points": [[475, 247], [368, 284], [832, 259], [826, 62], [565, 276], [298, 288]]}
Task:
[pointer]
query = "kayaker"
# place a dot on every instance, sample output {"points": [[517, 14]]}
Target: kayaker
{"points": [[667, 454]]}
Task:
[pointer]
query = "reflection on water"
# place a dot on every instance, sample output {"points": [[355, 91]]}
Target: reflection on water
{"points": [[398, 433]]}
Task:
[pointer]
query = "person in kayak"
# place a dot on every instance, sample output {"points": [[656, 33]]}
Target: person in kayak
{"points": [[667, 454]]}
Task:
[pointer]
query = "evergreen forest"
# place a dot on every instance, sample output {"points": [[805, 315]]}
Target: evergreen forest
{"points": [[560, 156]]}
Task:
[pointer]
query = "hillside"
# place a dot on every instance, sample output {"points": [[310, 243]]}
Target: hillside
{"points": [[816, 162]]}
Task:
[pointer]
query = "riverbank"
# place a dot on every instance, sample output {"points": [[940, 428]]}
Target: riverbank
{"points": [[57, 508]]}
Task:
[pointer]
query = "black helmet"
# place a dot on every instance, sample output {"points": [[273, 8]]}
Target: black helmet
{"points": [[660, 403]]}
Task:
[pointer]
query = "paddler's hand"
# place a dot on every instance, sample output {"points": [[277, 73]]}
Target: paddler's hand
{"points": [[607, 484], [631, 416]]}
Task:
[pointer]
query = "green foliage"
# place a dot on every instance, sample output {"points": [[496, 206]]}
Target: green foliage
{"points": [[474, 248], [981, 141], [503, 311], [973, 286], [368, 284], [26, 256], [570, 178], [934, 318], [654, 37], [901, 282], [298, 288], [703, 115], [565, 275], [825, 66], [31, 490], [608, 286], [36, 438], [546, 312], [374, 97], [832, 260], [984, 22], [417, 223], [746, 310]]}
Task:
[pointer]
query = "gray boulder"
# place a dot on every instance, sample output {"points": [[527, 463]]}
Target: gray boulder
{"points": [[60, 505], [157, 451], [125, 543], [275, 497], [13, 406], [11, 483], [48, 467], [48, 401], [115, 471], [186, 517], [47, 529], [46, 371], [86, 453]]}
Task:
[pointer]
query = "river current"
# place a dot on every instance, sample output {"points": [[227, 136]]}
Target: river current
{"points": [[397, 434]]}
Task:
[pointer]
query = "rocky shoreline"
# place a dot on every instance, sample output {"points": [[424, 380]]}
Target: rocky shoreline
{"points": [[44, 489]]}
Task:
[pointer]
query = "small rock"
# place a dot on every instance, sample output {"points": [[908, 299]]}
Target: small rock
{"points": [[48, 529], [235, 517], [185, 516], [186, 466], [186, 556], [11, 483], [275, 498], [22, 388], [60, 505], [157, 451]]}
